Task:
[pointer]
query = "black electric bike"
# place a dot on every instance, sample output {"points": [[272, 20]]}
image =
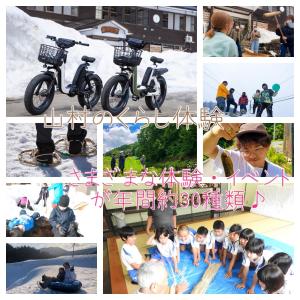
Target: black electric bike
{"points": [[115, 92], [41, 89]]}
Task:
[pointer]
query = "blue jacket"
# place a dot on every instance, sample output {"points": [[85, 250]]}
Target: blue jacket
{"points": [[24, 220], [61, 217], [58, 189]]}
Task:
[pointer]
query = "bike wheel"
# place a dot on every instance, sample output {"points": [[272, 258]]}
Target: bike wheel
{"points": [[115, 95], [150, 100], [39, 94], [90, 90]]}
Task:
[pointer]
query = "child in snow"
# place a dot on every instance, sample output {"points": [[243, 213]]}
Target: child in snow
{"points": [[230, 101], [222, 94], [243, 102], [24, 203], [66, 189], [58, 189], [70, 274], [231, 248], [44, 194], [245, 236], [46, 280], [216, 41], [256, 101], [219, 233], [184, 239], [62, 219], [17, 226], [258, 257], [271, 279], [166, 248], [130, 254], [266, 101], [203, 241], [253, 143]]}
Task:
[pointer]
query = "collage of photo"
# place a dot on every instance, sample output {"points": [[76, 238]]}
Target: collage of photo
{"points": [[150, 149]]}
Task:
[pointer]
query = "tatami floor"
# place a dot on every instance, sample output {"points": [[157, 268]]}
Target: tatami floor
{"points": [[274, 228]]}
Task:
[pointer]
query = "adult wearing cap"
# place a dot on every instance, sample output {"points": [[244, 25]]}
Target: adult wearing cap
{"points": [[62, 219], [159, 216], [253, 143], [266, 101]]}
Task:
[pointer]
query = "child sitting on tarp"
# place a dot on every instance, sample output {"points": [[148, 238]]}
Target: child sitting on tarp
{"points": [[216, 41], [130, 254], [253, 144], [166, 248], [218, 234], [17, 226], [24, 203]]}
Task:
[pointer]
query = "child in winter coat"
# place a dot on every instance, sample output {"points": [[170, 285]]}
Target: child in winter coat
{"points": [[44, 194], [70, 274], [243, 102], [62, 219], [24, 203]]}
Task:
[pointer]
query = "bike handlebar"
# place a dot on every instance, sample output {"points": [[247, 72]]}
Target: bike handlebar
{"points": [[54, 38]]}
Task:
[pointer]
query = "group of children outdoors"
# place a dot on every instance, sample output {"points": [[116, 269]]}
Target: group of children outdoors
{"points": [[62, 217], [272, 271], [219, 43], [262, 100]]}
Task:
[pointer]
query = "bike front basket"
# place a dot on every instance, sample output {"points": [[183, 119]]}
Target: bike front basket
{"points": [[125, 56], [52, 55]]}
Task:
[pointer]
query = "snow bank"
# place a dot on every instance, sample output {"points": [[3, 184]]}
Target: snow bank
{"points": [[22, 277], [24, 34], [85, 217], [22, 137], [267, 36]]}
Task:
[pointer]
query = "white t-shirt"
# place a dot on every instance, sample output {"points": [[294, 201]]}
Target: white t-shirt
{"points": [[221, 238], [188, 241], [263, 260], [207, 242], [245, 258], [166, 250], [232, 247], [239, 163], [130, 254]]}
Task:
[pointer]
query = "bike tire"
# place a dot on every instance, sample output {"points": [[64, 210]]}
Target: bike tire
{"points": [[163, 88]]}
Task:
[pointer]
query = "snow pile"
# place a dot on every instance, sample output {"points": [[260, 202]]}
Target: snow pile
{"points": [[24, 35], [267, 36], [22, 277], [85, 217], [21, 137]]}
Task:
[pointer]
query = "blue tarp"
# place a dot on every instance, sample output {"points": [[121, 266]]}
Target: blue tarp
{"points": [[220, 285]]}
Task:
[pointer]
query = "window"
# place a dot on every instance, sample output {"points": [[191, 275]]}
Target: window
{"points": [[113, 12], [192, 24], [98, 13], [142, 16], [182, 22], [105, 10], [129, 15], [39, 8], [165, 20], [49, 8], [74, 11]]}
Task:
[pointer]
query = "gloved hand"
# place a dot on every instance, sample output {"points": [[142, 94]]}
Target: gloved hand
{"points": [[61, 231]]}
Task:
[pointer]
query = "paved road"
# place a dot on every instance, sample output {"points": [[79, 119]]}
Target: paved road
{"points": [[62, 103]]}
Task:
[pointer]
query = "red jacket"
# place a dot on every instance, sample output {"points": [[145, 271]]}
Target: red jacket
{"points": [[243, 100]]}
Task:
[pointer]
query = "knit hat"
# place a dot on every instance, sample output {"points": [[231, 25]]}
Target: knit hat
{"points": [[64, 201]]}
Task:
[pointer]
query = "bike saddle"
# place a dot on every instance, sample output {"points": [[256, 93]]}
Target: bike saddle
{"points": [[156, 60], [88, 59], [65, 43]]}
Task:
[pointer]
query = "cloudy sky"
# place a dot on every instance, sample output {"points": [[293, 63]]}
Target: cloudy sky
{"points": [[65, 246], [248, 77], [117, 135]]}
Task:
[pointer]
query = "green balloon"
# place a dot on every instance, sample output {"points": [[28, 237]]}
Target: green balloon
{"points": [[276, 87]]}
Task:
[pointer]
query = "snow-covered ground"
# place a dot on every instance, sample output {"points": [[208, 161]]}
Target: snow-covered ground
{"points": [[24, 34], [86, 216], [22, 137], [22, 277]]}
